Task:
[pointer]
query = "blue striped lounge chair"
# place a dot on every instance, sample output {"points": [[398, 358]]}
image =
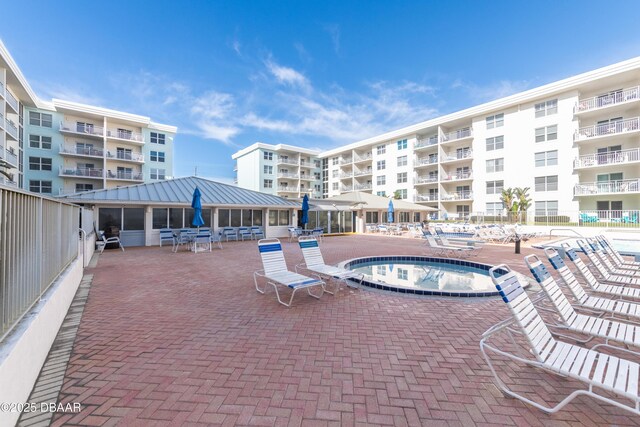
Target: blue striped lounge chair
{"points": [[245, 233], [594, 327], [257, 232], [202, 241], [276, 274], [229, 233], [611, 263], [314, 262], [604, 242], [166, 234], [606, 274], [598, 371]]}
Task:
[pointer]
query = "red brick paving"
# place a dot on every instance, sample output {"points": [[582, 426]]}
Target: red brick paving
{"points": [[184, 339]]}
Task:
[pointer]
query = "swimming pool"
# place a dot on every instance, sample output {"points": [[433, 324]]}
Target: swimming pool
{"points": [[425, 275], [624, 246]]}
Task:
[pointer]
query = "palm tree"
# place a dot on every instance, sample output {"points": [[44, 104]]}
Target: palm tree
{"points": [[507, 198], [523, 201]]}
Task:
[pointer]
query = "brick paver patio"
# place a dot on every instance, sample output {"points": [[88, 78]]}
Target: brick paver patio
{"points": [[184, 339]]}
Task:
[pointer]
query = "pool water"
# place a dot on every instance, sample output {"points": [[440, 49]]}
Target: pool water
{"points": [[624, 246], [430, 276]]}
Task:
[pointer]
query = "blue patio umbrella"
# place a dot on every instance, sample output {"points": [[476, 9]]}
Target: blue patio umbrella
{"points": [[305, 211], [196, 204], [390, 211]]}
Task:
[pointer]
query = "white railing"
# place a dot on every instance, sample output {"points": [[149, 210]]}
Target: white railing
{"points": [[586, 218], [133, 176], [11, 129], [288, 189], [359, 172], [345, 175], [307, 177], [12, 101], [457, 176], [620, 186], [2, 89], [458, 155], [287, 160], [608, 158], [11, 156], [305, 164], [457, 134], [288, 175], [365, 186], [425, 197], [125, 134], [622, 126], [82, 151], [362, 158], [87, 172], [426, 179], [422, 161], [459, 195], [602, 101], [426, 142], [43, 241], [346, 188], [345, 160], [134, 157], [82, 128]]}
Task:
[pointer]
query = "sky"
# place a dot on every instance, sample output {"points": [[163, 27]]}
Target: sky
{"points": [[315, 74]]}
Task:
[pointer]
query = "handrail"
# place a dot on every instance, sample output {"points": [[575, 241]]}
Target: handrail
{"points": [[565, 229]]}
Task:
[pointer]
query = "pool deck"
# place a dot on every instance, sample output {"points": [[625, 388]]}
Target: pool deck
{"points": [[184, 339]]}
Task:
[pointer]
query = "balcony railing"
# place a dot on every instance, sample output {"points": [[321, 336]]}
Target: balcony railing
{"points": [[362, 158], [626, 95], [82, 128], [609, 158], [12, 101], [426, 142], [307, 177], [288, 189], [125, 134], [2, 89], [422, 161], [606, 187], [458, 155], [11, 128], [619, 127], [426, 179], [288, 175], [425, 197], [85, 172], [457, 176], [346, 160], [11, 156], [360, 187], [345, 175], [455, 135], [359, 172], [287, 160], [81, 151], [132, 176], [346, 188], [134, 157], [305, 164], [459, 195]]}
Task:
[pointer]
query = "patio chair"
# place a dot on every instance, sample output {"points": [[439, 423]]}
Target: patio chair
{"points": [[229, 233], [184, 238], [589, 217], [314, 262], [167, 234], [317, 233], [216, 239], [103, 242], [257, 233], [447, 251], [604, 273], [614, 254], [576, 288], [598, 371], [294, 233], [245, 233], [473, 245], [610, 262], [276, 273], [610, 330], [202, 239]]}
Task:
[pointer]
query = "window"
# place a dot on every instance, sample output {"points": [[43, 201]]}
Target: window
{"points": [[494, 208], [546, 208], [334, 161], [109, 217], [402, 177], [125, 153], [37, 186], [124, 133], [546, 108], [495, 165], [546, 158], [381, 194], [156, 156], [37, 141], [83, 187], [40, 119], [157, 138], [334, 186], [381, 149], [381, 180], [548, 133], [495, 121], [381, 269], [334, 173], [381, 165], [402, 193], [155, 173], [546, 183], [402, 161], [495, 187], [402, 144], [462, 211], [495, 143], [403, 274], [316, 175], [403, 217], [268, 170], [83, 127], [39, 164], [278, 217], [268, 183]]}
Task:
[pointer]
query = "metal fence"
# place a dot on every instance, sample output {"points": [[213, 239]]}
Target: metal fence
{"points": [[590, 218], [38, 240]]}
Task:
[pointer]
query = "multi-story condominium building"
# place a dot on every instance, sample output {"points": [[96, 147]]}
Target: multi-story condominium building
{"points": [[575, 143], [60, 147], [283, 170]]}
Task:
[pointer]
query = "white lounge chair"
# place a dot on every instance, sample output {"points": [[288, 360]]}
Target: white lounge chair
{"points": [[103, 242], [473, 245], [614, 253], [448, 251], [276, 273], [314, 262], [597, 370], [612, 264], [610, 330], [606, 274]]}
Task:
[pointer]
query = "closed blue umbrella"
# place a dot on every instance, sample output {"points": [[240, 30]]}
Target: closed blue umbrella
{"points": [[390, 211], [196, 204], [305, 211]]}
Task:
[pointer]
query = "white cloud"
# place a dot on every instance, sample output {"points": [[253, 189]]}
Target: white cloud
{"points": [[491, 91], [334, 33], [75, 94], [287, 75]]}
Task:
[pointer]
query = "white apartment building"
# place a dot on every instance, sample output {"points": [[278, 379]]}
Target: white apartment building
{"points": [[575, 143]]}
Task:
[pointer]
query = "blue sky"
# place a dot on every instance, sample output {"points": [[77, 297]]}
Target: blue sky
{"points": [[315, 74]]}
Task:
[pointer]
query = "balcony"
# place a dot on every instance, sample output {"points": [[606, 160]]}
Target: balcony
{"points": [[82, 172], [287, 161], [307, 177], [457, 196], [363, 172], [125, 175], [305, 164], [85, 129], [1, 90], [609, 158], [81, 151], [456, 135], [624, 186], [458, 155], [126, 156], [11, 157], [362, 158], [11, 128], [11, 101], [427, 179], [426, 142], [345, 160], [125, 135], [287, 189], [458, 176], [604, 101], [346, 175], [608, 129], [346, 188], [362, 187], [425, 197], [287, 175], [425, 161]]}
